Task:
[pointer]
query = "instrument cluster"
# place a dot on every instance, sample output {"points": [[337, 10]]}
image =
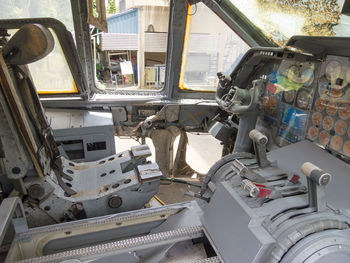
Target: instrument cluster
{"points": [[287, 98], [329, 123]]}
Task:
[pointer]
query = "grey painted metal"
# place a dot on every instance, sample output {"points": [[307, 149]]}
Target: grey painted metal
{"points": [[86, 130], [152, 222], [122, 246], [208, 260], [177, 27], [149, 171], [10, 139], [83, 41], [271, 229], [247, 123], [11, 211], [333, 243], [96, 182], [307, 151]]}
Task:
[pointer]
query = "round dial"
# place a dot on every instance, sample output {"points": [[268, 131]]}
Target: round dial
{"points": [[340, 127], [346, 148], [270, 104], [333, 70], [327, 123], [336, 142], [324, 138], [303, 99], [320, 104], [313, 133], [289, 96], [332, 108], [327, 89], [344, 111], [317, 118], [301, 73]]}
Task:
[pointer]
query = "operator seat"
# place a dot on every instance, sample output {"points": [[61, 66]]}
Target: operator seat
{"points": [[57, 188]]}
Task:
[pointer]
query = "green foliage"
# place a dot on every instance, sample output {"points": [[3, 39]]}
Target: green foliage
{"points": [[111, 8], [59, 9]]}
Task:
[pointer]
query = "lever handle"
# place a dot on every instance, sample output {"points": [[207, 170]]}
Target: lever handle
{"points": [[258, 137], [315, 174]]}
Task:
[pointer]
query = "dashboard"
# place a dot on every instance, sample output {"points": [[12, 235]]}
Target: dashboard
{"points": [[304, 97], [287, 99]]}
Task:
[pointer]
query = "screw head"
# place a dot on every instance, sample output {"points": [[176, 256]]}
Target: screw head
{"points": [[115, 201]]}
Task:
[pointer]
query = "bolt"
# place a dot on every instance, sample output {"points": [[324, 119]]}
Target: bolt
{"points": [[115, 201]]}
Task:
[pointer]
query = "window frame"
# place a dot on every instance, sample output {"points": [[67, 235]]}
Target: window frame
{"points": [[69, 50], [181, 86]]}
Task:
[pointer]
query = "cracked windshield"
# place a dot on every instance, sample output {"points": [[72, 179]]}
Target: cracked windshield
{"points": [[280, 20]]}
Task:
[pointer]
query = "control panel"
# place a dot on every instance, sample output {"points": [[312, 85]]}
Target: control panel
{"points": [[287, 98], [330, 117]]}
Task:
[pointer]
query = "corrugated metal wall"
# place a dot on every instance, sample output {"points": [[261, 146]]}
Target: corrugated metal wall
{"points": [[113, 41], [156, 42], [125, 22]]}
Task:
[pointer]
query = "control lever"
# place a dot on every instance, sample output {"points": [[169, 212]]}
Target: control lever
{"points": [[317, 180], [259, 142]]}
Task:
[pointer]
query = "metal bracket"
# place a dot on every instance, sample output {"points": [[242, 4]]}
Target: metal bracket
{"points": [[11, 211]]}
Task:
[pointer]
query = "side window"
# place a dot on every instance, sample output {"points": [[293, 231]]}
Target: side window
{"points": [[51, 75], [210, 46]]}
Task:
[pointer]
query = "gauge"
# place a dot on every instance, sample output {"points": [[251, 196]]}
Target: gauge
{"points": [[289, 95], [327, 123], [340, 127], [303, 99], [344, 111], [270, 104], [327, 89], [346, 148], [331, 108], [313, 133], [336, 142], [317, 118], [302, 73], [324, 138], [333, 70], [320, 104], [336, 91]]}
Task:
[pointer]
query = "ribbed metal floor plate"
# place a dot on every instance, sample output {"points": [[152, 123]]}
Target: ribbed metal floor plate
{"points": [[208, 260], [122, 246]]}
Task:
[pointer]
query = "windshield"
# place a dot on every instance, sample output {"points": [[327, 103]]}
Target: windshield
{"points": [[281, 19]]}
